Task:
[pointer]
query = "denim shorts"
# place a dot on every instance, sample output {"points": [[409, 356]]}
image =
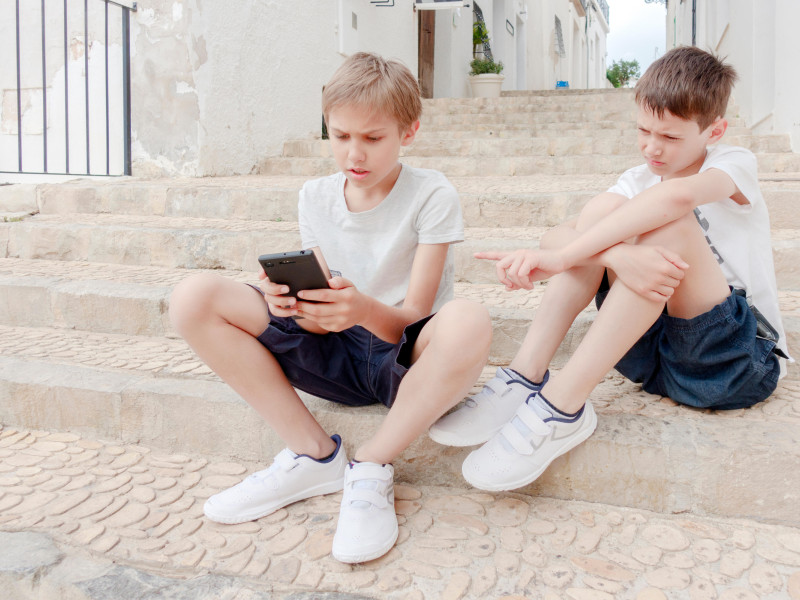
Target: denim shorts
{"points": [[351, 367], [714, 360]]}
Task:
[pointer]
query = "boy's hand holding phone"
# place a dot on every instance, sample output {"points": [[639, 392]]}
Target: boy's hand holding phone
{"points": [[335, 309], [296, 286]]}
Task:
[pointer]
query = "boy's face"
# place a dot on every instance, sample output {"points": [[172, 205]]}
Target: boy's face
{"points": [[672, 146], [366, 148]]}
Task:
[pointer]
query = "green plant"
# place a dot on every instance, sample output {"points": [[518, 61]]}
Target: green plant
{"points": [[479, 66], [622, 71], [480, 35]]}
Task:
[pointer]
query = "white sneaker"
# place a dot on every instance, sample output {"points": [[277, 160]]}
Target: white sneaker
{"points": [[290, 478], [525, 446], [482, 415], [367, 526]]}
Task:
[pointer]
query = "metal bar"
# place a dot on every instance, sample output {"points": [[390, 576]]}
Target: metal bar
{"points": [[66, 86], [44, 92], [19, 99], [86, 75], [108, 136], [129, 4], [126, 89]]}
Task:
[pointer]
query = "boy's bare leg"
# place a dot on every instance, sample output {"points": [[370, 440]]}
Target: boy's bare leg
{"points": [[625, 315], [220, 319], [566, 295], [447, 359]]}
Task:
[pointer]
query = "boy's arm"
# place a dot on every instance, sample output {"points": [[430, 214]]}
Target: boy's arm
{"points": [[346, 306], [649, 210]]}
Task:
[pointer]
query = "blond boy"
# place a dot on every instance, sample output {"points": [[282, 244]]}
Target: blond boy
{"points": [[387, 229], [675, 253]]}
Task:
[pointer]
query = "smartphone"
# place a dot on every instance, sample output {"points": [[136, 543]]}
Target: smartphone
{"points": [[300, 270]]}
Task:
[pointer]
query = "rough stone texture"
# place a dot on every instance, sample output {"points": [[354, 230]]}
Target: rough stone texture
{"points": [[113, 433], [117, 546]]}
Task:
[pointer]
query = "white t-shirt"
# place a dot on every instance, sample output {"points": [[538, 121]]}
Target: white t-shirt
{"points": [[375, 249], [739, 234]]}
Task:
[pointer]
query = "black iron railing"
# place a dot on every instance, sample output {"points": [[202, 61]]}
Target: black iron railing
{"points": [[69, 146]]}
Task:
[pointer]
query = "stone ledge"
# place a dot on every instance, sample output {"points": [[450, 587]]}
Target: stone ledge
{"points": [[646, 453]]}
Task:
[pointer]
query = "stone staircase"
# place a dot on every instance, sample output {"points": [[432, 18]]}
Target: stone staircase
{"points": [[86, 269]]}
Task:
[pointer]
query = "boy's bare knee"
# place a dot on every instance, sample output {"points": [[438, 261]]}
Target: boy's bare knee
{"points": [[466, 324], [191, 299], [675, 234]]}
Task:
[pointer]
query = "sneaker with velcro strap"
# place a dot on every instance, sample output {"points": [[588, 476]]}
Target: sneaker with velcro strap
{"points": [[483, 414], [525, 446], [367, 527], [291, 478]]}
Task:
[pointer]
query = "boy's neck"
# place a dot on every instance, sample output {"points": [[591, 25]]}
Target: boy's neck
{"points": [[364, 199]]}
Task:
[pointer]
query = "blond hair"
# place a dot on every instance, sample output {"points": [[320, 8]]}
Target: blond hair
{"points": [[689, 83], [377, 84]]}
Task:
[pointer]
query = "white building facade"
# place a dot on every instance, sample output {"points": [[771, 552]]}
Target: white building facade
{"points": [[217, 86], [760, 40]]}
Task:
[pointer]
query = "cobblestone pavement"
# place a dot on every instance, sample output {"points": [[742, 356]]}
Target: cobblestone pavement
{"points": [[132, 507]]}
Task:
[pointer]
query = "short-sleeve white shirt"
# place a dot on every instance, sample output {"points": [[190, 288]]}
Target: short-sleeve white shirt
{"points": [[738, 234], [375, 248]]}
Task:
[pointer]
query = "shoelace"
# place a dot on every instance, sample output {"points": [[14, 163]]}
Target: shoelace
{"points": [[528, 420]]}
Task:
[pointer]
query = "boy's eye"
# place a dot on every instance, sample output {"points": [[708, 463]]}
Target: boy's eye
{"points": [[342, 136], [373, 139]]}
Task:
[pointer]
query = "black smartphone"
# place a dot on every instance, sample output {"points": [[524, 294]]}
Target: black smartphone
{"points": [[300, 270]]}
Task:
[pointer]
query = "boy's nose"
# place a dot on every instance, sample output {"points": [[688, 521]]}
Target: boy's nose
{"points": [[356, 153]]}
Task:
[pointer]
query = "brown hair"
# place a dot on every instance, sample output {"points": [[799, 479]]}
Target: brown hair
{"points": [[378, 85], [688, 82]]}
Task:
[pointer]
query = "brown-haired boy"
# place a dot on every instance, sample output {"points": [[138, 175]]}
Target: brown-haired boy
{"points": [[675, 253], [386, 229]]}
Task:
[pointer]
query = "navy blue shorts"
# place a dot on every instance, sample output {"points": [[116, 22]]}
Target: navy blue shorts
{"points": [[352, 367], [714, 360]]}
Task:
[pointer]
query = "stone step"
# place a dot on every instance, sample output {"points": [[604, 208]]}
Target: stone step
{"points": [[465, 166], [433, 146], [623, 119], [195, 243], [94, 519], [647, 452], [133, 300], [601, 131], [486, 201]]}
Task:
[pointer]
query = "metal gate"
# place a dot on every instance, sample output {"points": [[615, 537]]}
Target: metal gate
{"points": [[67, 111]]}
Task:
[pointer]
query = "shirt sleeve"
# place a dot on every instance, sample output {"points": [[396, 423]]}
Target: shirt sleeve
{"points": [[439, 220], [741, 166], [634, 181]]}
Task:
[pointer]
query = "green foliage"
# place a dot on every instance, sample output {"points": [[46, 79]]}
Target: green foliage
{"points": [[479, 66], [480, 35], [622, 71]]}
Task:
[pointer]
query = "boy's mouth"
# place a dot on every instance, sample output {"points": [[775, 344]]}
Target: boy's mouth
{"points": [[359, 173]]}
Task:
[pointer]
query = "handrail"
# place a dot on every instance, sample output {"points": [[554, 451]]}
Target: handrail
{"points": [[123, 3], [99, 96]]}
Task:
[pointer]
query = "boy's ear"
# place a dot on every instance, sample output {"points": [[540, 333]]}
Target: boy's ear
{"points": [[718, 129], [410, 133]]}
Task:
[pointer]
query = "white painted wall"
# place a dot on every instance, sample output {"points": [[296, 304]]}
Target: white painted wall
{"points": [[760, 40], [217, 87]]}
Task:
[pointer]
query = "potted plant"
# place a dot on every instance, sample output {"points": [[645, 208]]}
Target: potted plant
{"points": [[485, 77]]}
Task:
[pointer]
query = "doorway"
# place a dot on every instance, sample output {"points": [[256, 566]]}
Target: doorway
{"points": [[427, 35]]}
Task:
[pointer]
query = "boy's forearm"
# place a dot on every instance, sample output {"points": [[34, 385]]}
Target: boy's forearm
{"points": [[653, 208], [649, 210], [388, 322]]}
